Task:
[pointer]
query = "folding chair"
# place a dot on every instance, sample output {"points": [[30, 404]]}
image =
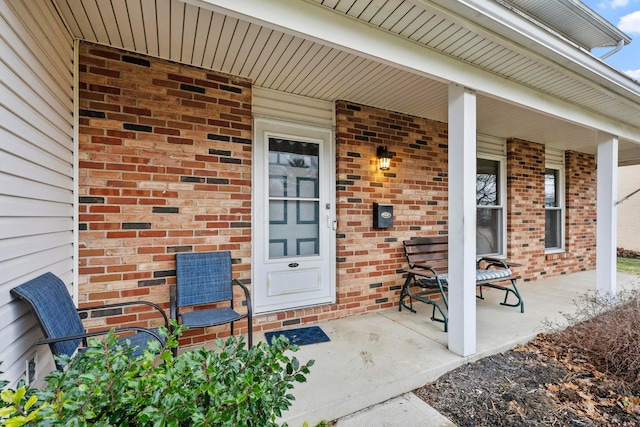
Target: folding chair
{"points": [[50, 302], [203, 279]]}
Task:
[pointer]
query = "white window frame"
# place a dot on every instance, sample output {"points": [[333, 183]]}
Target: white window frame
{"points": [[502, 202], [560, 196]]}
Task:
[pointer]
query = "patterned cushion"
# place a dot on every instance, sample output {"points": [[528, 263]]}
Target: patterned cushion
{"points": [[480, 275], [492, 274]]}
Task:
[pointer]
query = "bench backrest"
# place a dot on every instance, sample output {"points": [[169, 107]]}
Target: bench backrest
{"points": [[432, 251]]}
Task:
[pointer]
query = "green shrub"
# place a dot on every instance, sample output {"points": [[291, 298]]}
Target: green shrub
{"points": [[16, 405], [105, 386]]}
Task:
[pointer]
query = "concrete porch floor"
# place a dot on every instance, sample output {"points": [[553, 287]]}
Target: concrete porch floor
{"points": [[378, 356]]}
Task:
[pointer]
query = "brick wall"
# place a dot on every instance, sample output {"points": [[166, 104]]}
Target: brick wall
{"points": [[165, 167], [580, 202], [526, 214], [369, 259], [525, 206]]}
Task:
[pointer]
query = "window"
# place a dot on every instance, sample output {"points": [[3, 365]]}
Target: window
{"points": [[554, 209], [490, 210]]}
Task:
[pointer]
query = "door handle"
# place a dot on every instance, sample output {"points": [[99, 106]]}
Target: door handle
{"points": [[332, 224]]}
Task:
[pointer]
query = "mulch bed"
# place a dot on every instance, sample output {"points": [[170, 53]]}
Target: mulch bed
{"points": [[542, 383]]}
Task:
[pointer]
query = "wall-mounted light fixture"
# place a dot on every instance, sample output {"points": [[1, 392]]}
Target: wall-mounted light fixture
{"points": [[384, 158]]}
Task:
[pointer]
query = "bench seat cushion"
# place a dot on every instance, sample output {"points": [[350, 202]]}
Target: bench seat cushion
{"points": [[491, 274]]}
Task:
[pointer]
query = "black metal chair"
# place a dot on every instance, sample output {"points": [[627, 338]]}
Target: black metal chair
{"points": [[204, 278], [60, 321]]}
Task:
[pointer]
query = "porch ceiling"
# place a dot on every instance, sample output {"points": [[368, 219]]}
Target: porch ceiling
{"points": [[200, 34]]}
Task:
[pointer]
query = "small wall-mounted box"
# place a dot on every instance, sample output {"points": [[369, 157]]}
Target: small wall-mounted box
{"points": [[382, 216]]}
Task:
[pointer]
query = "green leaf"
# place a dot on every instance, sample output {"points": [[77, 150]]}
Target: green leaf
{"points": [[7, 410], [15, 422], [32, 400], [17, 398], [32, 416], [7, 396]]}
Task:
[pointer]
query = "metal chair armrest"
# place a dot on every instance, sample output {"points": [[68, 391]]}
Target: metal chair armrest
{"points": [[128, 303], [100, 333], [246, 293], [173, 303]]}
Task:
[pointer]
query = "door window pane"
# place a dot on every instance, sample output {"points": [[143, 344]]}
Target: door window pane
{"points": [[293, 198]]}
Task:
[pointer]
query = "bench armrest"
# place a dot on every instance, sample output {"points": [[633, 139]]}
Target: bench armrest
{"points": [[426, 267], [496, 262]]}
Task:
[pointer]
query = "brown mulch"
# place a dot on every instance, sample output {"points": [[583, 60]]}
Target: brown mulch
{"points": [[543, 383], [626, 253]]}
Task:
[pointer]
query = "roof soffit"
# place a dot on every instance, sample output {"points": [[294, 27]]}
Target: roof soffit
{"points": [[360, 35], [302, 48], [500, 25], [573, 20]]}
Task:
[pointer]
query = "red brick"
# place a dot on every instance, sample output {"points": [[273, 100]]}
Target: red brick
{"points": [[151, 166]]}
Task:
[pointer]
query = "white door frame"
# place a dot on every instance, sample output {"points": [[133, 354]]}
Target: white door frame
{"points": [[262, 268]]}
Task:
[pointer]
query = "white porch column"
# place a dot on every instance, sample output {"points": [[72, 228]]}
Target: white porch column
{"points": [[606, 235], [462, 220]]}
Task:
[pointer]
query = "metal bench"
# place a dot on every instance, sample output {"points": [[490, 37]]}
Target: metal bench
{"points": [[427, 276]]}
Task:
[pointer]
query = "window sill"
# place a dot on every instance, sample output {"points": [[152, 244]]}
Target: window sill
{"points": [[556, 254]]}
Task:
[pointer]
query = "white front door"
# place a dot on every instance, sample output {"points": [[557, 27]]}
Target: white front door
{"points": [[294, 216]]}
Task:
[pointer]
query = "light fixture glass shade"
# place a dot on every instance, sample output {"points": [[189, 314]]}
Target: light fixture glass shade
{"points": [[384, 158], [384, 163]]}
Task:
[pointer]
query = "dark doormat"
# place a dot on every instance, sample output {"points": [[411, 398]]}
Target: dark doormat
{"points": [[300, 336]]}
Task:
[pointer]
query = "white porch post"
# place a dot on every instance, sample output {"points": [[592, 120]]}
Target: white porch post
{"points": [[606, 235], [462, 220]]}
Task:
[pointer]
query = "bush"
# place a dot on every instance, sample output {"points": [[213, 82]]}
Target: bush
{"points": [[17, 404], [105, 386], [607, 333]]}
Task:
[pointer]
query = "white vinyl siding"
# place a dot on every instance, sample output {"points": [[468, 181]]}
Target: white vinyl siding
{"points": [[492, 146], [292, 108], [36, 169]]}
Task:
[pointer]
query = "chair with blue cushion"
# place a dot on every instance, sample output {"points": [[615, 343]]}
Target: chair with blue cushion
{"points": [[59, 319], [204, 279]]}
